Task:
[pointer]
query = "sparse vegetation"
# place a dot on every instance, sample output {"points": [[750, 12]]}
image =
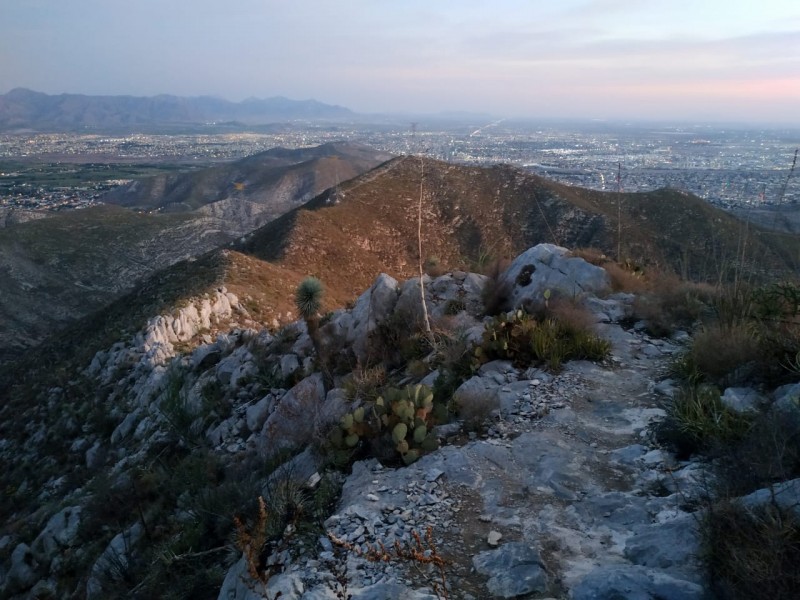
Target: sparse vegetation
{"points": [[697, 420], [526, 340]]}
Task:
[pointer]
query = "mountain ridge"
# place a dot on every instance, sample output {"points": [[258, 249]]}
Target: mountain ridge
{"points": [[71, 264], [472, 216], [22, 109]]}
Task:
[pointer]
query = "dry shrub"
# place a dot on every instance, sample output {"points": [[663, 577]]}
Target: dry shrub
{"points": [[475, 407], [625, 280], [572, 316], [433, 267], [726, 354], [768, 452], [365, 383], [753, 552], [673, 304], [593, 256]]}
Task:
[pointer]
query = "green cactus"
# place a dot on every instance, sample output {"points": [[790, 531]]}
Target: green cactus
{"points": [[410, 456], [402, 416], [399, 432]]}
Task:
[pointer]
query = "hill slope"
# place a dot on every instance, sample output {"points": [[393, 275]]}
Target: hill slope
{"points": [[471, 216], [58, 269]]}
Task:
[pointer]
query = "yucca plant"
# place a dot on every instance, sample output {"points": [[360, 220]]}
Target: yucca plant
{"points": [[308, 299]]}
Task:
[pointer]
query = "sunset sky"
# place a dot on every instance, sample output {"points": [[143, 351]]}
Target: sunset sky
{"points": [[701, 60]]}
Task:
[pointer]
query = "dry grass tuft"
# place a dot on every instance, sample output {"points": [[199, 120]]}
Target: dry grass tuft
{"points": [[753, 552], [625, 280], [723, 353], [496, 293], [673, 304], [475, 408]]}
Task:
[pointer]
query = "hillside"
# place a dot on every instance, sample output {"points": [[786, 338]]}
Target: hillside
{"points": [[25, 109], [136, 441], [140, 474], [471, 217], [59, 269], [474, 215], [253, 191]]}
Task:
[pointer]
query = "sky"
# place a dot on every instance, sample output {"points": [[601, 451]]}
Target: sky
{"points": [[700, 60]]}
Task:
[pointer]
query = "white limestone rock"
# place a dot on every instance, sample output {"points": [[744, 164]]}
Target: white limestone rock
{"points": [[549, 267]]}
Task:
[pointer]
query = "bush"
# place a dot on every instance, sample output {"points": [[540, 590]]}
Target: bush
{"points": [[673, 304], [308, 297], [768, 453], [474, 408], [496, 292]]}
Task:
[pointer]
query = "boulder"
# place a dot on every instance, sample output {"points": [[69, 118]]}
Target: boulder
{"points": [[623, 582], [59, 533], [257, 413], [742, 400], [785, 495], [21, 573], [113, 561], [669, 545], [514, 569], [549, 267], [294, 420], [372, 308]]}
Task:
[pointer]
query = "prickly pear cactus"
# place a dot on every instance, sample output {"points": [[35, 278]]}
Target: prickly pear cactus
{"points": [[403, 416]]}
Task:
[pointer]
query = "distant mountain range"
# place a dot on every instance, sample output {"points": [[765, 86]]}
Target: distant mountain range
{"points": [[23, 109]]}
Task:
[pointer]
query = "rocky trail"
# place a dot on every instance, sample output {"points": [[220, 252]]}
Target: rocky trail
{"points": [[562, 497]]}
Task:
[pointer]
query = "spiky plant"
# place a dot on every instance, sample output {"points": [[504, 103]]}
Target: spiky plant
{"points": [[308, 297]]}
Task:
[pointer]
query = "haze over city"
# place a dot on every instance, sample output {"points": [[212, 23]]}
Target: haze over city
{"points": [[712, 60]]}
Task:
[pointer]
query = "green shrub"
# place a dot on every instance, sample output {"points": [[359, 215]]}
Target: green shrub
{"points": [[308, 297], [672, 304], [769, 452], [721, 353]]}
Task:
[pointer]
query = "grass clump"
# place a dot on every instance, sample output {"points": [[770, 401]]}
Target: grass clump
{"points": [[526, 340], [697, 420], [671, 304], [724, 354], [474, 408]]}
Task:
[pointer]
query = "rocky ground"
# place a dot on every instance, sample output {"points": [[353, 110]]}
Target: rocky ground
{"points": [[563, 496], [560, 493]]}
